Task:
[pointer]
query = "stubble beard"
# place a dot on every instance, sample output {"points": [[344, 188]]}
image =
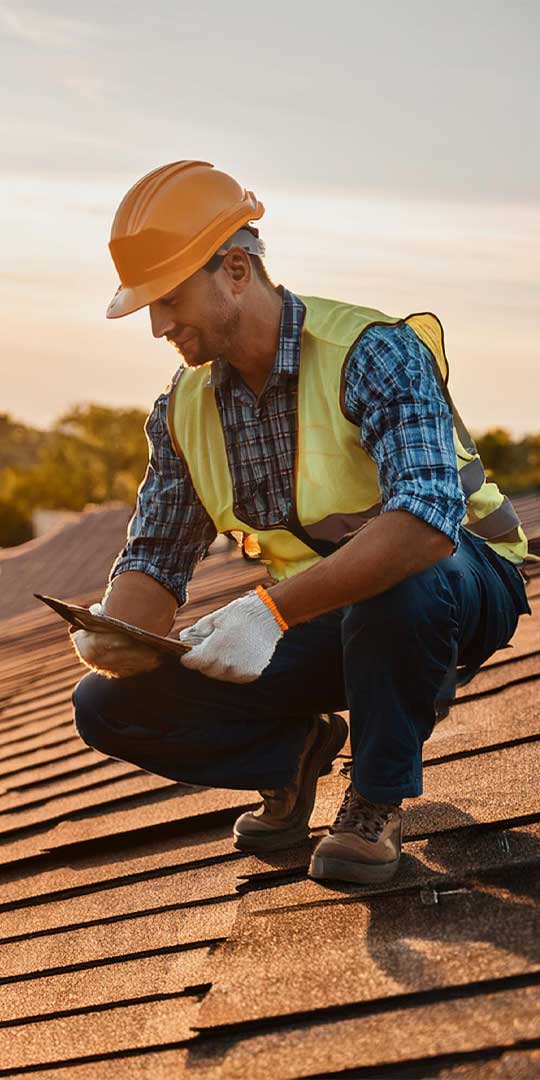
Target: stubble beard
{"points": [[215, 341], [219, 341]]}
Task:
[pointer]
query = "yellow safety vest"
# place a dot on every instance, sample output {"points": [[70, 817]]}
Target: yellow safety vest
{"points": [[336, 483]]}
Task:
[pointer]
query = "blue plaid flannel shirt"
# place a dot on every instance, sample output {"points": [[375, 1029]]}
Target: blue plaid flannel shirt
{"points": [[403, 421]]}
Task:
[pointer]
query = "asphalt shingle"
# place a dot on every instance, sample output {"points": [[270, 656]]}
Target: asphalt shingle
{"points": [[306, 959], [110, 1031]]}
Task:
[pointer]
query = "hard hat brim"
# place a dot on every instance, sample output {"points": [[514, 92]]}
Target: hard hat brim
{"points": [[127, 299]]}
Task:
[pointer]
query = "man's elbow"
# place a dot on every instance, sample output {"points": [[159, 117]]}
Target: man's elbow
{"points": [[444, 545], [426, 544], [437, 544]]}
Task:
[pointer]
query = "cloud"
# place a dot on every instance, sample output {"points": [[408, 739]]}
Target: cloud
{"points": [[37, 28]]}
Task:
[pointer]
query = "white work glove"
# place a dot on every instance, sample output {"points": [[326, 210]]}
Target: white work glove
{"points": [[114, 655], [234, 643]]}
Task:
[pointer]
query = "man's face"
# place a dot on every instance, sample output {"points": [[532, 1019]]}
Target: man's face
{"points": [[199, 317]]}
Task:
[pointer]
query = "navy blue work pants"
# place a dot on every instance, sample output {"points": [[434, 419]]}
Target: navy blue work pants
{"points": [[391, 661]]}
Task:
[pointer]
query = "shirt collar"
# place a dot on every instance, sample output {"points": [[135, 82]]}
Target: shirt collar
{"points": [[287, 361]]}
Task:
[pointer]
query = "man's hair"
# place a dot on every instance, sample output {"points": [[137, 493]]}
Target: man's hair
{"points": [[215, 262]]}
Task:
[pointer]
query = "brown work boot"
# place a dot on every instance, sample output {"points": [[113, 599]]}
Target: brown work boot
{"points": [[364, 843], [283, 819]]}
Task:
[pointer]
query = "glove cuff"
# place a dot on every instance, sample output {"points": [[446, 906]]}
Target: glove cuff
{"points": [[267, 600]]}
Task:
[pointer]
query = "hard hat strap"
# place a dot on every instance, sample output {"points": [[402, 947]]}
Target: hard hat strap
{"points": [[245, 238]]}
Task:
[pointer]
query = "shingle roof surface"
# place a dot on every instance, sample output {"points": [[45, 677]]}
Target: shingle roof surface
{"points": [[137, 942], [71, 559]]}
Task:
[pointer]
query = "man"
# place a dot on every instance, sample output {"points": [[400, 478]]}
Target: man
{"points": [[328, 430]]}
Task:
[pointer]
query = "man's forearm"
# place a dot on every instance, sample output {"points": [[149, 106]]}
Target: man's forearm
{"points": [[389, 549], [140, 600]]}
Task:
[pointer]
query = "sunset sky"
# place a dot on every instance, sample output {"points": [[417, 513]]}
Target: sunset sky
{"points": [[394, 145]]}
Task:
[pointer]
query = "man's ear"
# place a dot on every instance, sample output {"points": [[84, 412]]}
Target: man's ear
{"points": [[237, 266]]}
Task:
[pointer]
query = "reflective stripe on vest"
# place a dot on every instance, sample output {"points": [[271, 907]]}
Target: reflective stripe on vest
{"points": [[498, 524], [472, 476], [336, 482]]}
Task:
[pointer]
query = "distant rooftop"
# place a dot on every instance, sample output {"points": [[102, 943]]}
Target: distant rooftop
{"points": [[71, 559]]}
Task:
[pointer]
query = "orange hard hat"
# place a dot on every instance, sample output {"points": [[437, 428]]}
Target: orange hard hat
{"points": [[169, 224]]}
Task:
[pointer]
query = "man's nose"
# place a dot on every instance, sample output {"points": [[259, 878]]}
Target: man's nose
{"points": [[161, 319]]}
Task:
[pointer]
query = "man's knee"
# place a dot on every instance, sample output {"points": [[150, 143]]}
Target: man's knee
{"points": [[93, 697], [421, 600]]}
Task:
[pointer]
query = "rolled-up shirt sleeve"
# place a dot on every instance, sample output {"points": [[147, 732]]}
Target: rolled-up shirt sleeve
{"points": [[170, 530], [392, 394]]}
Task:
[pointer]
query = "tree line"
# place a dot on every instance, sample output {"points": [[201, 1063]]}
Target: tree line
{"points": [[92, 454], [95, 454]]}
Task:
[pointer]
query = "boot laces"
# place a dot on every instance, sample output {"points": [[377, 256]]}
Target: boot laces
{"points": [[364, 817]]}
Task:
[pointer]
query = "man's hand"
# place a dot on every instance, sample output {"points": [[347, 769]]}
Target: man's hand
{"points": [[234, 643], [112, 654]]}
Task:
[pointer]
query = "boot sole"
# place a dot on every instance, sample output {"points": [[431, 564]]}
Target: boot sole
{"points": [[319, 761], [323, 868]]}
